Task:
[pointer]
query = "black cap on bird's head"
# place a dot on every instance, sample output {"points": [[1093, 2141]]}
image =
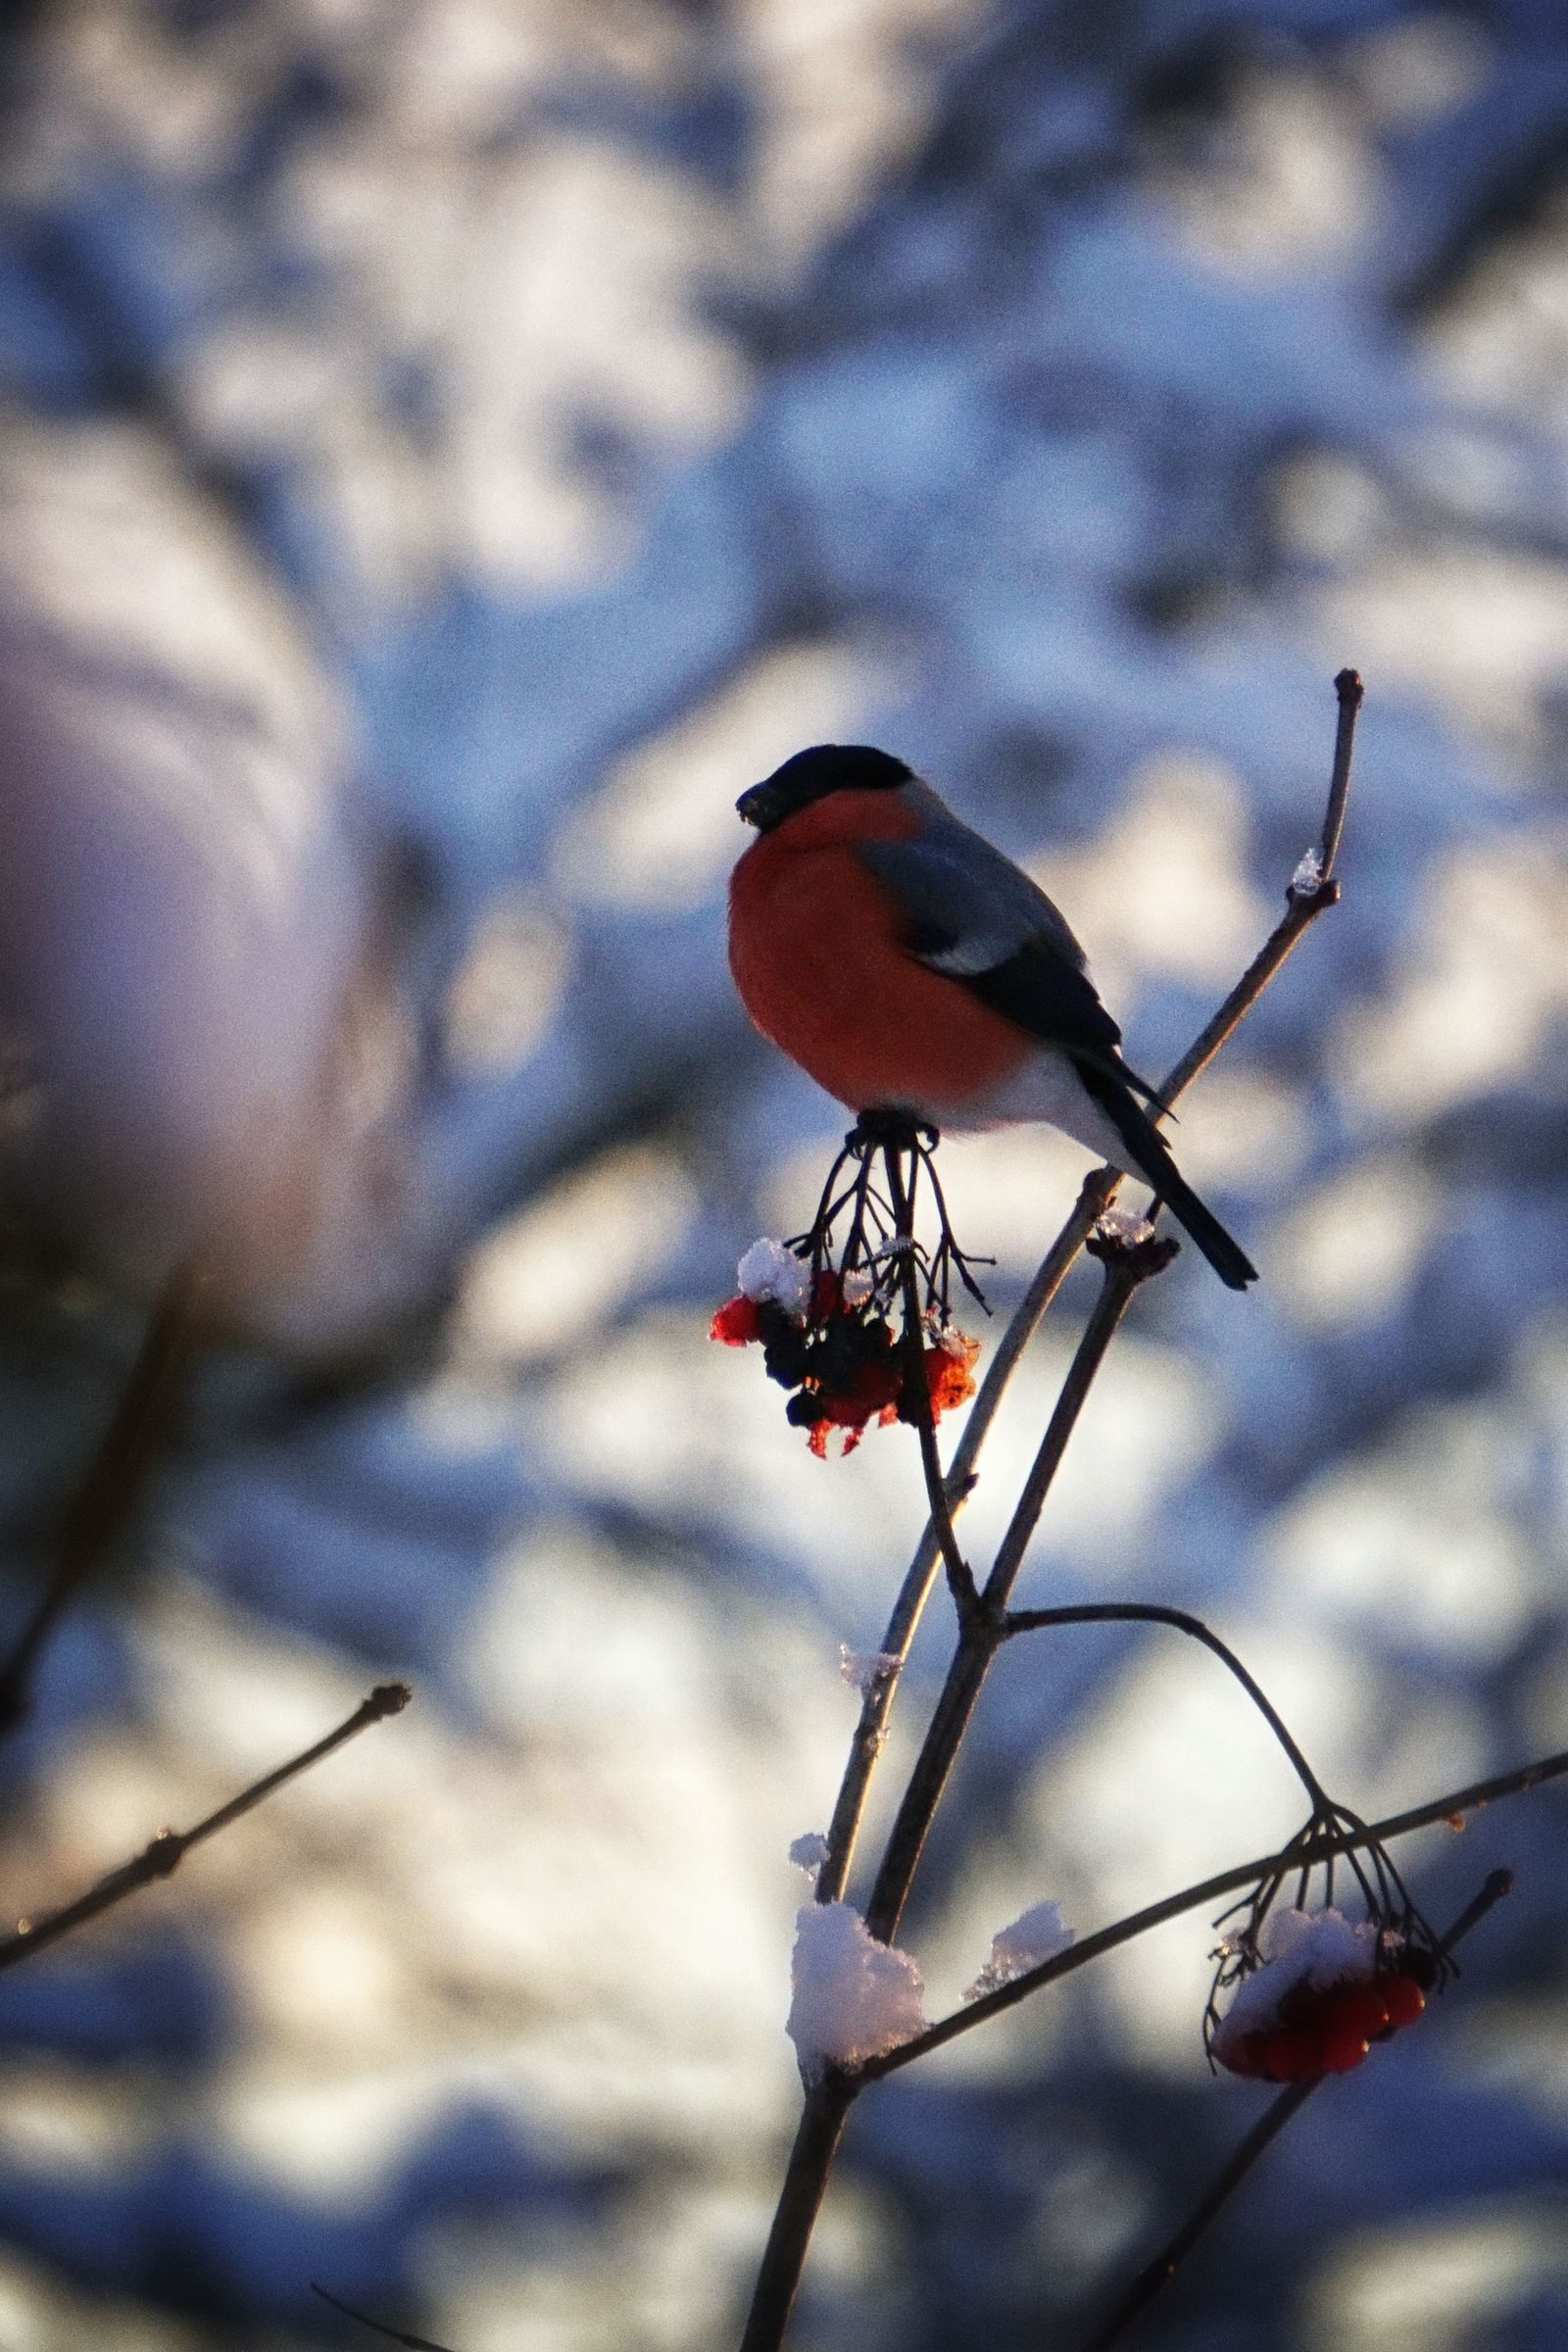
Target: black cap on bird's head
{"points": [[813, 774]]}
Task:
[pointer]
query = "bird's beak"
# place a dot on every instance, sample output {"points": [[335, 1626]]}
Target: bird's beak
{"points": [[760, 807]]}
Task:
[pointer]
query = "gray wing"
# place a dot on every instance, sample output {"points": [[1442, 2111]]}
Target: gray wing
{"points": [[970, 907], [972, 913]]}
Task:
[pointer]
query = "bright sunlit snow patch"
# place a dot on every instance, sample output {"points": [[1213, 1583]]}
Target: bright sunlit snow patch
{"points": [[1035, 1935], [853, 1998]]}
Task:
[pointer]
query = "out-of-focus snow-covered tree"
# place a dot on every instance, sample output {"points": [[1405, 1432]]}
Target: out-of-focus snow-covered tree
{"points": [[452, 447]]}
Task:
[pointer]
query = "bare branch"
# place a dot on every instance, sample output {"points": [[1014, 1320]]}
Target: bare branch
{"points": [[984, 1633], [169, 1850], [1350, 689], [1157, 2275], [980, 1636], [828, 2102], [115, 1479], [1099, 1188], [1306, 1856], [393, 2336]]}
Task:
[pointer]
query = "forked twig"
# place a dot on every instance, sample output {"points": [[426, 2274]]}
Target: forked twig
{"points": [[984, 1633], [165, 1854]]}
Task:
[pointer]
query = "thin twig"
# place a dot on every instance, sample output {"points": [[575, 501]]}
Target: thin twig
{"points": [[1348, 686], [114, 1482], [1307, 1856], [828, 2102], [393, 2336], [1143, 1612], [1157, 2275], [1098, 1190], [984, 1633], [169, 1850]]}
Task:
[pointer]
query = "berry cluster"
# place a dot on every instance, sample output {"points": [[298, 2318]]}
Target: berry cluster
{"points": [[855, 1315], [825, 1337], [1317, 2008], [1309, 1993]]}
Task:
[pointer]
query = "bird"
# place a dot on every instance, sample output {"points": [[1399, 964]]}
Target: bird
{"points": [[907, 964]]}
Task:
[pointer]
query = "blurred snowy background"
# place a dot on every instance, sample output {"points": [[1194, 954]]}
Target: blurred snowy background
{"points": [[449, 447]]}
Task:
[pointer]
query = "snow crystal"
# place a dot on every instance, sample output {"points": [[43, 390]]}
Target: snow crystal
{"points": [[853, 1998], [1314, 1947], [808, 1852], [1035, 1935], [770, 1270], [1307, 879], [863, 1669], [1120, 1225]]}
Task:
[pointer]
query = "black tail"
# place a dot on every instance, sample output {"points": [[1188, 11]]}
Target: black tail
{"points": [[1146, 1149]]}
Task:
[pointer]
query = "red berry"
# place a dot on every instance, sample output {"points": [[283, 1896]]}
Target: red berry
{"points": [[1321, 2029], [827, 1296], [1355, 2008], [1404, 2001], [1341, 2047], [1293, 2054], [948, 1370], [737, 1322]]}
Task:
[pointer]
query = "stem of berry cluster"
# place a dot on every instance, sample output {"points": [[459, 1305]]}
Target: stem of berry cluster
{"points": [[1182, 1621], [917, 1390]]}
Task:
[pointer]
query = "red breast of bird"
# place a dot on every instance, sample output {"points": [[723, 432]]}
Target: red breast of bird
{"points": [[819, 946]]}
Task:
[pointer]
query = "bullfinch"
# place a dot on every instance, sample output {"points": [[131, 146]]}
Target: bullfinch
{"points": [[907, 964]]}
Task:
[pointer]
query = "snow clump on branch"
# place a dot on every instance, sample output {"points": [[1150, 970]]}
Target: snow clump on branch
{"points": [[1033, 1937], [808, 1851], [853, 1998]]}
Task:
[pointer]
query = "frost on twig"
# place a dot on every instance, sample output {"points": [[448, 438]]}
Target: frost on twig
{"points": [[1307, 879], [1033, 1937], [866, 1670], [1120, 1225], [853, 1998]]}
